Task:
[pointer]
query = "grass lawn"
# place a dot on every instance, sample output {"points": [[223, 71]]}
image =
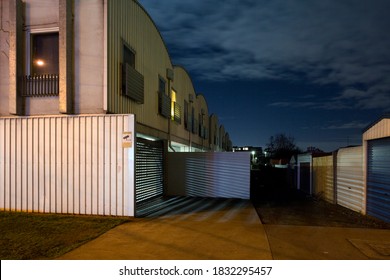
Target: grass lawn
{"points": [[31, 236]]}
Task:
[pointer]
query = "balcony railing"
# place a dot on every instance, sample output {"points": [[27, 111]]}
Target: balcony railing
{"points": [[40, 85]]}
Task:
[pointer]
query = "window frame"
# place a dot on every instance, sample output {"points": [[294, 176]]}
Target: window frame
{"points": [[29, 34], [161, 79], [131, 50]]}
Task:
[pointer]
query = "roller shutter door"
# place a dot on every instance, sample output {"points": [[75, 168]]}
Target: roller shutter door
{"points": [[149, 173], [378, 179]]}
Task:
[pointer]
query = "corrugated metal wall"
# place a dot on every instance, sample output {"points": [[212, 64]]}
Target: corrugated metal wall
{"points": [[183, 87], [209, 174], [68, 164], [323, 177], [350, 186], [129, 23]]}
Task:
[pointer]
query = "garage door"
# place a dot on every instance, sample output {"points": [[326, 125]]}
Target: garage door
{"points": [[149, 173], [378, 179]]}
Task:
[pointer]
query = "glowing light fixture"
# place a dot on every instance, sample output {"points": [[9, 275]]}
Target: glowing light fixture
{"points": [[40, 62]]}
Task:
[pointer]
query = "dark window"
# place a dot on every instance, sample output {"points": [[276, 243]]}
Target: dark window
{"points": [[132, 80], [161, 85], [128, 56], [44, 54]]}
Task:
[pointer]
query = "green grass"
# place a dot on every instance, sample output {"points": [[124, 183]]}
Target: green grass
{"points": [[30, 236]]}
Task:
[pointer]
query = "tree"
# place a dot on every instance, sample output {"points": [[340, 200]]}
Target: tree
{"points": [[281, 146]]}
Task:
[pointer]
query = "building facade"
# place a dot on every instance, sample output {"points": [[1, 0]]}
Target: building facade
{"points": [[100, 57]]}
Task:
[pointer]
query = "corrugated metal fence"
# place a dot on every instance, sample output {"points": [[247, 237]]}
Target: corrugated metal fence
{"points": [[68, 164], [350, 186], [323, 177], [339, 177], [209, 174]]}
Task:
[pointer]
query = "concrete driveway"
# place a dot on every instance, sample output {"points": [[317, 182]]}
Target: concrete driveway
{"points": [[223, 229], [185, 229]]}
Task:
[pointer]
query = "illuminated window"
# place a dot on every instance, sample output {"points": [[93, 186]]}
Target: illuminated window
{"points": [[175, 108], [173, 101], [44, 53]]}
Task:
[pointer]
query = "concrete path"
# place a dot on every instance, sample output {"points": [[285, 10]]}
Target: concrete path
{"points": [[328, 243], [188, 229]]}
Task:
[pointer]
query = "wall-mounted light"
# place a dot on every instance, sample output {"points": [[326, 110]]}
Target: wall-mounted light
{"points": [[39, 62]]}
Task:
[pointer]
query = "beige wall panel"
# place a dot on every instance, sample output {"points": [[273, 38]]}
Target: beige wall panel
{"points": [[89, 53], [4, 54], [41, 105], [41, 13], [129, 22]]}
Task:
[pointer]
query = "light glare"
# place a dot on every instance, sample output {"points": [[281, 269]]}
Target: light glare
{"points": [[40, 62]]}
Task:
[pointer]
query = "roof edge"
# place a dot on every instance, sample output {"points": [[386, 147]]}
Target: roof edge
{"points": [[384, 116]]}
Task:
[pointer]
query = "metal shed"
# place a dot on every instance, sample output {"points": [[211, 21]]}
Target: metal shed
{"points": [[376, 147]]}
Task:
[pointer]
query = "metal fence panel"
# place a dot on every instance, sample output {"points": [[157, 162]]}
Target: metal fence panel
{"points": [[67, 164], [323, 177], [350, 178], [209, 174]]}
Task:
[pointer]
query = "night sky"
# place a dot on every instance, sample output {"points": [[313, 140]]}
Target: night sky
{"points": [[316, 70]]}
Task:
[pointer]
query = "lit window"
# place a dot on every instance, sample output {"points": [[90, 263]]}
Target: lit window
{"points": [[44, 53], [173, 100]]}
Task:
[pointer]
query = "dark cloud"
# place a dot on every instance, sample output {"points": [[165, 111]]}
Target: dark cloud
{"points": [[325, 42], [348, 125]]}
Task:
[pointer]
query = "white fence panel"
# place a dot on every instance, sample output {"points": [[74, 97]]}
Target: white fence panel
{"points": [[67, 164], [350, 178]]}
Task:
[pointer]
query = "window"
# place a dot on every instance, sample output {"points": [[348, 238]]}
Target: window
{"points": [[173, 101], [161, 85], [128, 56], [132, 80], [44, 53], [175, 108], [164, 101]]}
